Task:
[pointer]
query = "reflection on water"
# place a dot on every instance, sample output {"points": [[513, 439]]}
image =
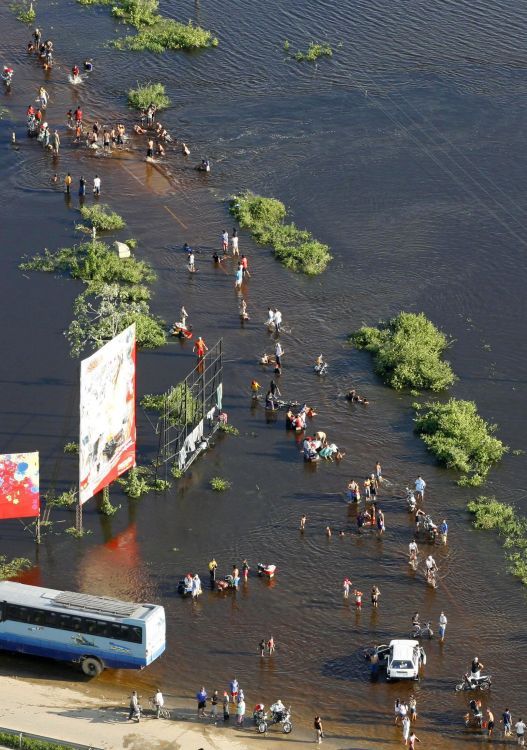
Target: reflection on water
{"points": [[405, 153]]}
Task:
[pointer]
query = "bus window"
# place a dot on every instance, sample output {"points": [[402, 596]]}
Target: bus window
{"points": [[91, 626], [64, 622], [16, 613], [52, 620], [2, 611], [76, 624], [37, 617], [136, 634], [102, 629]]}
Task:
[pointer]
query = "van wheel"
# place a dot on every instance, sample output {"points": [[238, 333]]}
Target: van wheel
{"points": [[91, 666]]}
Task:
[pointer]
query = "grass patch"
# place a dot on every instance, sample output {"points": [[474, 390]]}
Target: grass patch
{"points": [[24, 11], [295, 248], [137, 12], [313, 52], [96, 2], [12, 568], [140, 481], [490, 513], [407, 352], [102, 217], [77, 533], [460, 439], [167, 34], [219, 484], [183, 407], [100, 317], [149, 93]]}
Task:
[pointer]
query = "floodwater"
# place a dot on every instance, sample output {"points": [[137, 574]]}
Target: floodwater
{"points": [[405, 152]]}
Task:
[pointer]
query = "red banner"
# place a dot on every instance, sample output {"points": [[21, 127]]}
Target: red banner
{"points": [[19, 485]]}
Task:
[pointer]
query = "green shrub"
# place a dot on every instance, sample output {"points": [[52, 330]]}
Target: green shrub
{"points": [[97, 319], [219, 484], [96, 2], [176, 472], [167, 34], [313, 52], [95, 261], [28, 743], [490, 513], [461, 439], [140, 481], [77, 533], [71, 448], [229, 429], [63, 500], [148, 93], [24, 11], [102, 217], [12, 568], [407, 352], [137, 12], [295, 248], [183, 407]]}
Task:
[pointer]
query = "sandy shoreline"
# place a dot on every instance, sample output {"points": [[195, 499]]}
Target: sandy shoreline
{"points": [[73, 715]]}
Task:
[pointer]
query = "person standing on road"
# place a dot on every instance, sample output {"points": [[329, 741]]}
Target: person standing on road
{"points": [[135, 711], [158, 702], [201, 697], [442, 626], [226, 707], [319, 733], [240, 712], [214, 706]]}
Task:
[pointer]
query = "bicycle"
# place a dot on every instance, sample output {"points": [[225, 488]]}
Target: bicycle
{"points": [[160, 711]]}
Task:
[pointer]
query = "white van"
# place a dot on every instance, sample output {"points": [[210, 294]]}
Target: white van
{"points": [[402, 659]]}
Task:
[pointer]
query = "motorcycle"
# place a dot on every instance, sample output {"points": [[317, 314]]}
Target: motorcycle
{"points": [[422, 631], [474, 683], [280, 715], [427, 525], [411, 502], [431, 578], [321, 369]]}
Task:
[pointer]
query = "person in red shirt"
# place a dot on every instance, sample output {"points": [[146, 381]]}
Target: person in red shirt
{"points": [[200, 347], [244, 263], [78, 114]]}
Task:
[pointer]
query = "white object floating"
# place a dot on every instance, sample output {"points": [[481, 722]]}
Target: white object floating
{"points": [[123, 251]]}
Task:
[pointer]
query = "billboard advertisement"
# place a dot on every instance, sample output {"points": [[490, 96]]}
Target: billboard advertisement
{"points": [[19, 485], [107, 414]]}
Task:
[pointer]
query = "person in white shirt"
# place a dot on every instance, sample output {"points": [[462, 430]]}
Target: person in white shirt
{"points": [[520, 731], [279, 352], [277, 319], [442, 626], [158, 701], [420, 485], [234, 242], [97, 185], [413, 550]]}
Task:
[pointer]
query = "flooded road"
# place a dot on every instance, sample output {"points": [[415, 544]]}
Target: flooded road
{"points": [[405, 152]]}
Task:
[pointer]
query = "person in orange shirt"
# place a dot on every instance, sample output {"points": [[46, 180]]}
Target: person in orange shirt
{"points": [[200, 347]]}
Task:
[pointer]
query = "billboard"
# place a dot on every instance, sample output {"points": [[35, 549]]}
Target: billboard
{"points": [[107, 414], [19, 485]]}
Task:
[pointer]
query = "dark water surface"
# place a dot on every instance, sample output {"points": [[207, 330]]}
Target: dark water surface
{"points": [[406, 153]]}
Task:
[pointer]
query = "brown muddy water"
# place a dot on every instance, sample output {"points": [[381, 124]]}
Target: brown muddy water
{"points": [[406, 153]]}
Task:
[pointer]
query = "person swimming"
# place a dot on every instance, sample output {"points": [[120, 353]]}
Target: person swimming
{"points": [[88, 66]]}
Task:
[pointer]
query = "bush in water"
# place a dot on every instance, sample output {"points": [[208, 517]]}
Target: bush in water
{"points": [[102, 217], [313, 52], [460, 438], [407, 352], [167, 34], [137, 12], [183, 408], [140, 481], [295, 248], [94, 262], [219, 484], [148, 93], [490, 513]]}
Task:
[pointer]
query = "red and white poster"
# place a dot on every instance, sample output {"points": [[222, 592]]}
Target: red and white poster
{"points": [[19, 485], [107, 414]]}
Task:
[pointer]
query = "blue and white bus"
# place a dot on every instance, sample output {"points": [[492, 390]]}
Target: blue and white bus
{"points": [[95, 631]]}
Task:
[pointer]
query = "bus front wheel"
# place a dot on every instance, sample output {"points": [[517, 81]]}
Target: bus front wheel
{"points": [[91, 666]]}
